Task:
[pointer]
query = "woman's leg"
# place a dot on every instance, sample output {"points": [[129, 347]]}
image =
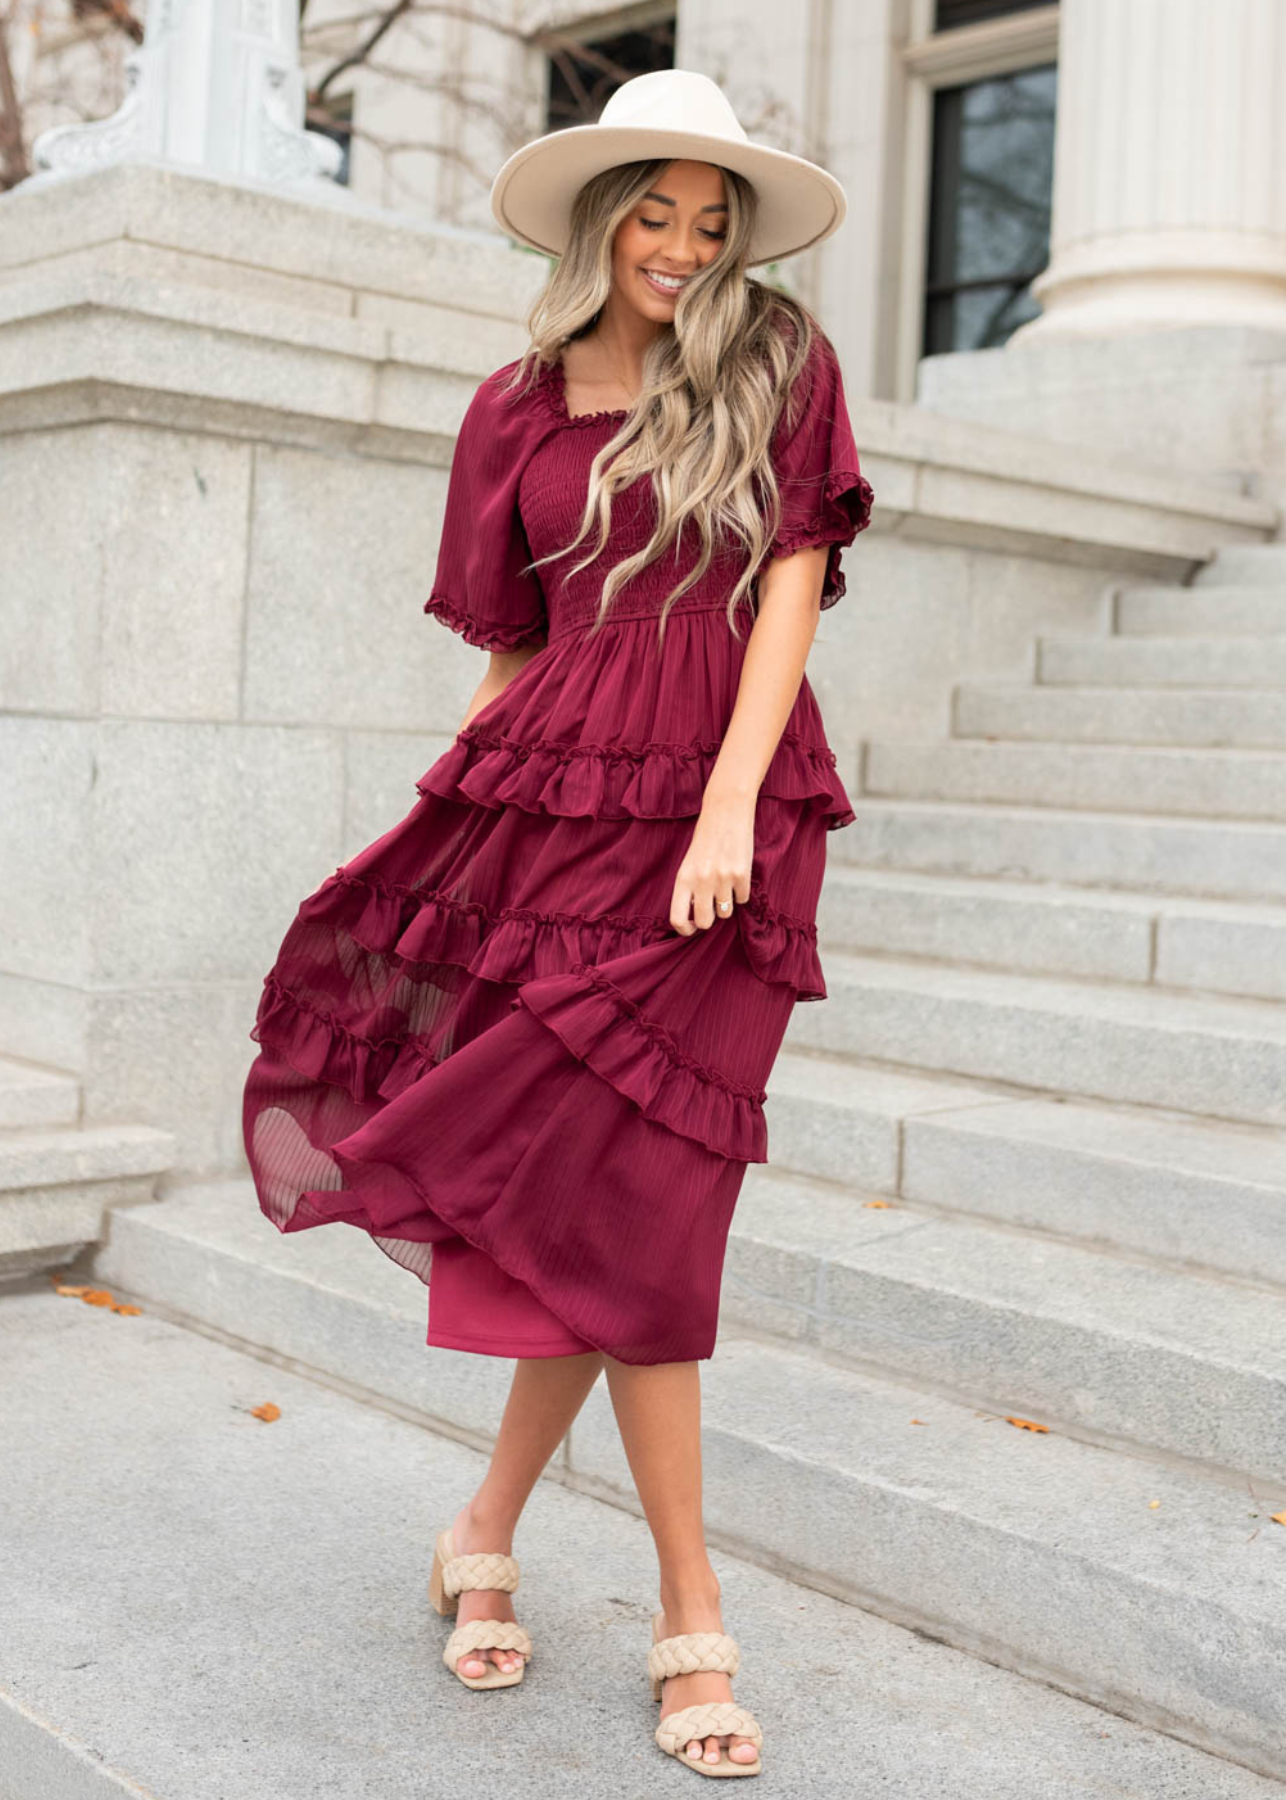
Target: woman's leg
{"points": [[658, 1410], [546, 1394]]}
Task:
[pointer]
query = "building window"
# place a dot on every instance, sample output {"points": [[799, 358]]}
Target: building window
{"points": [[989, 206], [585, 71], [952, 14], [334, 119]]}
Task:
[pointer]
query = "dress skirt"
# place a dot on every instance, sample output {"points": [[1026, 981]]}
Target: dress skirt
{"points": [[483, 1043]]}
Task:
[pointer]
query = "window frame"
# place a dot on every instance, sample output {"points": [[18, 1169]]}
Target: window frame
{"points": [[938, 59]]}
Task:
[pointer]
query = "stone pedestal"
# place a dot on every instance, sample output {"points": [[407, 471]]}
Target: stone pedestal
{"points": [[215, 85]]}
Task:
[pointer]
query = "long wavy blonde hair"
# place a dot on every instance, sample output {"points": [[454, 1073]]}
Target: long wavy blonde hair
{"points": [[715, 383]]}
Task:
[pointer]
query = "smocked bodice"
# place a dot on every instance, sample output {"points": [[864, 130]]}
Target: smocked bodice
{"points": [[551, 496]]}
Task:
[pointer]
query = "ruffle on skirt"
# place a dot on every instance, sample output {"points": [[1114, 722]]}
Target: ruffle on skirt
{"points": [[604, 781], [422, 926], [577, 1141], [608, 727]]}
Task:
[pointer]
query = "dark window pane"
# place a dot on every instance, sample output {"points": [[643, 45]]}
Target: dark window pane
{"points": [[337, 123], [583, 76], [993, 159], [954, 13]]}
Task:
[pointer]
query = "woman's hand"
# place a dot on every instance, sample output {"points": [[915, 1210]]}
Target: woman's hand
{"points": [[717, 863]]}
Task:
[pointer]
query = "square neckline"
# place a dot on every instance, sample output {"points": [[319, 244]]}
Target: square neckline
{"points": [[558, 396]]}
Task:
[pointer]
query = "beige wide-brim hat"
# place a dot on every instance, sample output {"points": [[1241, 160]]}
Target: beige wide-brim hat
{"points": [[671, 113]]}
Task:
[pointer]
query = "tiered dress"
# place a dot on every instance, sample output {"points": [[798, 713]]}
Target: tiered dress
{"points": [[482, 1041]]}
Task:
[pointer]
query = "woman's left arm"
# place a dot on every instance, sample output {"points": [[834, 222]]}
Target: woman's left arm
{"points": [[718, 858]]}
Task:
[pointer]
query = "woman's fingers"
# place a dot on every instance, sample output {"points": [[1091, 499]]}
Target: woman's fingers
{"points": [[706, 902]]}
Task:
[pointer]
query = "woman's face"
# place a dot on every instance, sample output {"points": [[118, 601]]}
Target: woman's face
{"points": [[676, 228]]}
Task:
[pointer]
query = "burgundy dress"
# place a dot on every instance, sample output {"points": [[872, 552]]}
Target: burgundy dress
{"points": [[482, 1041]]}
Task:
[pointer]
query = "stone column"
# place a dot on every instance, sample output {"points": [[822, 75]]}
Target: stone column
{"points": [[1170, 169]]}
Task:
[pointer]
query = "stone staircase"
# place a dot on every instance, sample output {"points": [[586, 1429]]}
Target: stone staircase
{"points": [[1029, 1169], [58, 1176]]}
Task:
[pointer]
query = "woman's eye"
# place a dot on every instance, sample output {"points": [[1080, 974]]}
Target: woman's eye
{"points": [[656, 225]]}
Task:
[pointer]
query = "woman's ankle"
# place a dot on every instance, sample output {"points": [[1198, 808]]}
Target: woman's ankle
{"points": [[689, 1592], [496, 1524]]}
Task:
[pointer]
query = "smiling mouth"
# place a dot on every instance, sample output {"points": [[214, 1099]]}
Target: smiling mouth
{"points": [[672, 285]]}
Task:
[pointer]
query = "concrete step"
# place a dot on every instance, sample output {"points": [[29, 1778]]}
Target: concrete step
{"points": [[32, 1094], [1112, 1348], [1198, 662], [1193, 717], [1129, 851], [1197, 1053], [1229, 784], [1205, 611], [1186, 1192], [1062, 930], [57, 1183], [939, 1515], [1245, 565]]}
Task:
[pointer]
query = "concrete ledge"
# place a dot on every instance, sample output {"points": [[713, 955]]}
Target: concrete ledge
{"points": [[322, 246], [1108, 1347], [1201, 610], [1201, 717], [1233, 784], [1199, 1053], [1181, 1191], [1219, 859], [1181, 662], [32, 1095]]}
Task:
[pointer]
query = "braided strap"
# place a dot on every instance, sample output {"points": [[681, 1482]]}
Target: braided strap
{"points": [[717, 1718], [485, 1634], [692, 1652], [480, 1569]]}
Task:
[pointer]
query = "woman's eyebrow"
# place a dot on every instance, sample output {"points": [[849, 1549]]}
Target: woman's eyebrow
{"points": [[666, 200]]}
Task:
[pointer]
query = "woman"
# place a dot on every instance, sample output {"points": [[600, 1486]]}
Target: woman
{"points": [[522, 1039]]}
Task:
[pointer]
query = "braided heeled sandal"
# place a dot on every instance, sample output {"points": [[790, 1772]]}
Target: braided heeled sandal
{"points": [[448, 1578], [688, 1654]]}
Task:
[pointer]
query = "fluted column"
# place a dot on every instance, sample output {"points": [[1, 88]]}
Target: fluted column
{"points": [[1169, 202]]}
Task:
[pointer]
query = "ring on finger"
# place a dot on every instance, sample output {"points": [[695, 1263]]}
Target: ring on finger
{"points": [[724, 906]]}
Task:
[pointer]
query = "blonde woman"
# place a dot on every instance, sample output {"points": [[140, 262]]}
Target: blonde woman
{"points": [[522, 1039]]}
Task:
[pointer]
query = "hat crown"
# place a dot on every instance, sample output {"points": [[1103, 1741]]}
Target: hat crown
{"points": [[673, 100]]}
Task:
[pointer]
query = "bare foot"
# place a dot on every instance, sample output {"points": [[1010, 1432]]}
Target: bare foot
{"points": [[467, 1534], [678, 1691]]}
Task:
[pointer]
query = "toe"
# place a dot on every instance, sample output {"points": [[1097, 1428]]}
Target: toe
{"points": [[472, 1665], [694, 1749], [741, 1749], [712, 1752]]}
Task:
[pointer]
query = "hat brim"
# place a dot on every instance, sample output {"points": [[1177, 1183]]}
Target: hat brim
{"points": [[800, 204]]}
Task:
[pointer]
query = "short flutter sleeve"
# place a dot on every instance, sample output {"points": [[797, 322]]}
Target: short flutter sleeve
{"points": [[479, 588], [825, 498]]}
